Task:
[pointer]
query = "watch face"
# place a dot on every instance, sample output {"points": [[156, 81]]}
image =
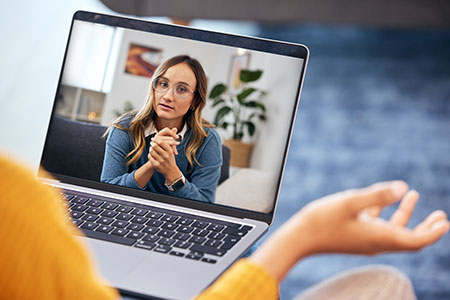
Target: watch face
{"points": [[177, 185]]}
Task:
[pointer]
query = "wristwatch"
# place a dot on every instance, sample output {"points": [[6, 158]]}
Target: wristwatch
{"points": [[177, 184]]}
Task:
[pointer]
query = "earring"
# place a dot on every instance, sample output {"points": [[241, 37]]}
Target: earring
{"points": [[192, 108]]}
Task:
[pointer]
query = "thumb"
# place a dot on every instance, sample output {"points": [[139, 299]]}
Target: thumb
{"points": [[380, 194], [174, 130]]}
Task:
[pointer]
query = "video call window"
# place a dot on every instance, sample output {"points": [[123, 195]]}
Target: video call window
{"points": [[232, 108]]}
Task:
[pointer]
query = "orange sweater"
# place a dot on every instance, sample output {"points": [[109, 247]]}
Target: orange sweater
{"points": [[40, 258]]}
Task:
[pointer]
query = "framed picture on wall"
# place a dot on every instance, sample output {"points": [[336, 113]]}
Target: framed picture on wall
{"points": [[142, 60], [238, 62]]}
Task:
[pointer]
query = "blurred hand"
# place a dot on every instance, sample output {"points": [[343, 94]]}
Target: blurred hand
{"points": [[348, 222]]}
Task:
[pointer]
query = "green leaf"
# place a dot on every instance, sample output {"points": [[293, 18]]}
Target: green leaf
{"points": [[224, 125], [249, 76], [251, 128], [262, 117], [256, 105], [217, 102], [217, 90], [221, 113], [245, 93]]}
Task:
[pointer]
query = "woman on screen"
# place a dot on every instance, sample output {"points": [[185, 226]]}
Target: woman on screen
{"points": [[167, 147]]}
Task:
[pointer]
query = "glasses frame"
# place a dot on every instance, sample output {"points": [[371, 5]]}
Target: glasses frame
{"points": [[173, 85]]}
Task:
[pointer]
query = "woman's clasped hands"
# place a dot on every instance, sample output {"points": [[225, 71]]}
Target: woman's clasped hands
{"points": [[163, 149]]}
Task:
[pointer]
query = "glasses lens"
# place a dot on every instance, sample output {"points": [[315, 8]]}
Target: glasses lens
{"points": [[182, 91], [161, 85]]}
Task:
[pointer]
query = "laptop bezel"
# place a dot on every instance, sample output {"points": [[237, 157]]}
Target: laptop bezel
{"points": [[251, 43]]}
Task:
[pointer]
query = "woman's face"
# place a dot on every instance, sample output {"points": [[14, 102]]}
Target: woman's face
{"points": [[168, 105]]}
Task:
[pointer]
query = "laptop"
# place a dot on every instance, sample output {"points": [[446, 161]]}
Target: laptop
{"points": [[152, 243]]}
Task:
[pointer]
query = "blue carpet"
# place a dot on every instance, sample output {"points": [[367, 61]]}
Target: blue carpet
{"points": [[375, 107]]}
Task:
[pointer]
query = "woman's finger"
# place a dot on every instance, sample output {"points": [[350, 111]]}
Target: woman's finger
{"points": [[433, 218], [380, 194], [373, 211], [404, 211], [168, 132]]}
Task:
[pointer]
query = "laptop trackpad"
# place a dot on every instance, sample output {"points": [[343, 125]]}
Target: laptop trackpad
{"points": [[169, 277], [115, 261]]}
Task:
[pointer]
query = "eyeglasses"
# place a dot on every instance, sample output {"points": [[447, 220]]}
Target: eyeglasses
{"points": [[181, 91]]}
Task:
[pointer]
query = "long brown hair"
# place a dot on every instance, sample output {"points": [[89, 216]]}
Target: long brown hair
{"points": [[142, 118]]}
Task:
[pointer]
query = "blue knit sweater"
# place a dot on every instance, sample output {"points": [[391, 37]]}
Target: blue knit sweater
{"points": [[201, 180]]}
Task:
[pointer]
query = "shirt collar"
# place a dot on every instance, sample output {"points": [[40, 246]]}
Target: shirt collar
{"points": [[151, 129]]}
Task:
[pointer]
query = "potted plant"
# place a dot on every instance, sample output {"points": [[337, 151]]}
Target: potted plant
{"points": [[239, 114]]}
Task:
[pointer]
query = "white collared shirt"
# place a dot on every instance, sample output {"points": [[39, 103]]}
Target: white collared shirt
{"points": [[151, 129]]}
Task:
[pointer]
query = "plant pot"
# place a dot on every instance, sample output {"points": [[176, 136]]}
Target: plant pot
{"points": [[240, 153]]}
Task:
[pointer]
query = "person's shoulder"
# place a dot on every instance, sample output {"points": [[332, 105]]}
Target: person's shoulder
{"points": [[212, 134]]}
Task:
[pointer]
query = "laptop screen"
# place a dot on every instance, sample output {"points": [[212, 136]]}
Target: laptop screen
{"points": [[186, 113]]}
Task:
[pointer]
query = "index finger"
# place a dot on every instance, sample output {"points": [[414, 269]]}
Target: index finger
{"points": [[380, 194], [168, 132]]}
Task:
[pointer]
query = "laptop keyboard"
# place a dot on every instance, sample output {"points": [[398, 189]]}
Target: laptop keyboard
{"points": [[152, 228]]}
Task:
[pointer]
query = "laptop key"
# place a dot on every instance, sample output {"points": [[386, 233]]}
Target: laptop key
{"points": [[154, 223], [209, 260], [150, 230], [105, 228], [184, 221], [139, 220], [185, 229], [166, 233], [195, 256], [108, 237], [77, 222], [105, 220], [109, 206], [109, 213], [227, 245], [135, 227], [182, 245], [151, 238], [197, 239], [176, 253], [162, 248], [200, 232], [123, 217], [154, 215], [145, 245], [95, 202], [215, 227], [208, 250], [181, 236], [170, 226], [90, 218], [94, 210], [79, 207], [169, 218], [135, 235], [231, 239], [77, 214], [120, 231], [246, 227], [166, 241], [213, 243], [120, 224], [235, 231], [200, 224], [216, 235], [80, 200], [139, 212], [124, 209]]}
